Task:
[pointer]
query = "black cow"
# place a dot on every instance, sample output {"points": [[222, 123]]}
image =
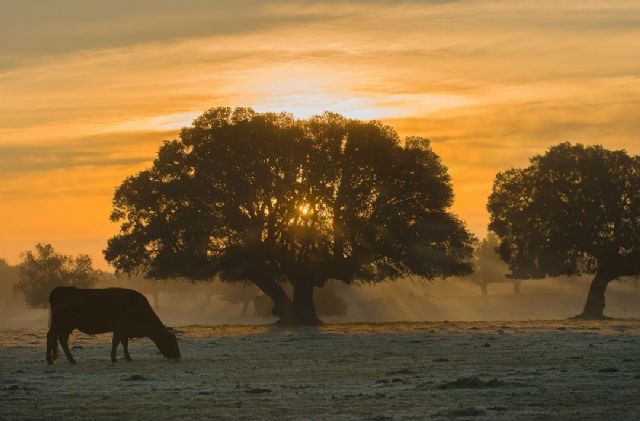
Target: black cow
{"points": [[124, 312]]}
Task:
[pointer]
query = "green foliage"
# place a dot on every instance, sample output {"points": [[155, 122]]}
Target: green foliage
{"points": [[267, 197], [573, 210], [46, 269]]}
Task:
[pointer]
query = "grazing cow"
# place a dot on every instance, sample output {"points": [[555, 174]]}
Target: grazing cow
{"points": [[124, 312]]}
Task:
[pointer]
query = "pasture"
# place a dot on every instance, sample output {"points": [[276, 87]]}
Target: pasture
{"points": [[443, 370]]}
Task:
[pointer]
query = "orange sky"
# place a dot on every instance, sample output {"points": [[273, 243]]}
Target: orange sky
{"points": [[89, 89]]}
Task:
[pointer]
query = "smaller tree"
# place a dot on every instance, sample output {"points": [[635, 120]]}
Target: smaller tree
{"points": [[574, 210], [46, 269]]}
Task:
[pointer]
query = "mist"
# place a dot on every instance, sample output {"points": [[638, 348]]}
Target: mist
{"points": [[181, 303]]}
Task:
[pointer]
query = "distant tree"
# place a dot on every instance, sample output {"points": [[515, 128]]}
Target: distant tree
{"points": [[266, 198], [573, 210], [149, 288], [488, 267], [8, 277], [47, 269], [329, 302], [245, 294]]}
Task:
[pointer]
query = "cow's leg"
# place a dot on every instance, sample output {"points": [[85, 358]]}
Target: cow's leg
{"points": [[54, 354], [52, 345], [63, 337], [52, 338], [125, 346], [115, 340]]}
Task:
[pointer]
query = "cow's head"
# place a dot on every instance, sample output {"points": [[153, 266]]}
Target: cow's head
{"points": [[168, 344]]}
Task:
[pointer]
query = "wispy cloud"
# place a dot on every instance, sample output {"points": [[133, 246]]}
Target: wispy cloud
{"points": [[89, 89], [111, 149]]}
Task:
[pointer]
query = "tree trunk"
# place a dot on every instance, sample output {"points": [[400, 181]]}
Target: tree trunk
{"points": [[484, 290], [304, 308], [594, 307], [516, 287], [282, 305]]}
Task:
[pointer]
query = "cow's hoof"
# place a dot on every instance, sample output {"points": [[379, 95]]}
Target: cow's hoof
{"points": [[128, 360], [73, 361], [113, 360]]}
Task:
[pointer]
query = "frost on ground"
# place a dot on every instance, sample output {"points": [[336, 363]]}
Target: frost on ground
{"points": [[471, 370]]}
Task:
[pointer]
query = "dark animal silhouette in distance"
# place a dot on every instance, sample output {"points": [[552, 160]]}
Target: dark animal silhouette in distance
{"points": [[123, 311]]}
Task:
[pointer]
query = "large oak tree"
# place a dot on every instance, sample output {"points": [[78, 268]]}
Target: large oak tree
{"points": [[573, 210], [267, 198]]}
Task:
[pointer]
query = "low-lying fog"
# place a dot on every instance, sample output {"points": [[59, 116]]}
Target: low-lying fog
{"points": [[184, 303]]}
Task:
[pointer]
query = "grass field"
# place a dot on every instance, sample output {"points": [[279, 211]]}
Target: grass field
{"points": [[464, 370]]}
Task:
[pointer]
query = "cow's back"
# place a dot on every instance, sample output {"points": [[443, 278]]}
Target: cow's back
{"points": [[103, 310]]}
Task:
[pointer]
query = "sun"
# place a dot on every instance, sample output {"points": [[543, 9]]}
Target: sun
{"points": [[305, 90], [305, 209]]}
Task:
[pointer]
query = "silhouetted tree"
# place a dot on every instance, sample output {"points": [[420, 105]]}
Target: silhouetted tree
{"points": [[235, 294], [9, 275], [268, 199], [573, 210], [329, 302], [487, 265], [47, 269], [148, 287]]}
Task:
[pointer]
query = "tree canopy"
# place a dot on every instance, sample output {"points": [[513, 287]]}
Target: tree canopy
{"points": [[46, 269], [266, 198], [573, 210]]}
